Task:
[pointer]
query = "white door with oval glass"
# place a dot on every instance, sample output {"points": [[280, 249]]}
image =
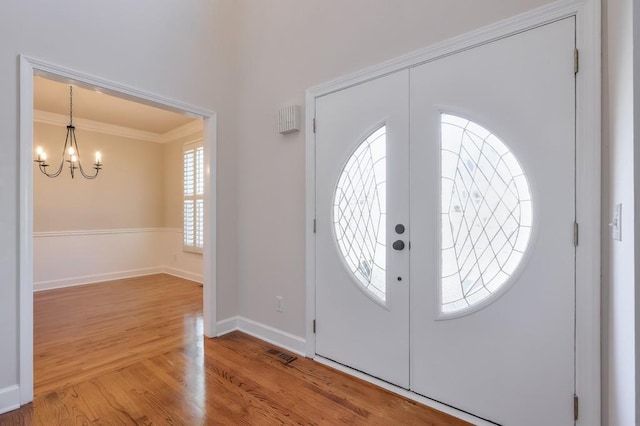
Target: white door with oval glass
{"points": [[362, 290], [445, 202]]}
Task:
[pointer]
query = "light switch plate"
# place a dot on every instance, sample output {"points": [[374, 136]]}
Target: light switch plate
{"points": [[616, 223]]}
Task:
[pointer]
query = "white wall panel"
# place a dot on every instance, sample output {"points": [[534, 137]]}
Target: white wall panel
{"points": [[63, 259], [177, 262]]}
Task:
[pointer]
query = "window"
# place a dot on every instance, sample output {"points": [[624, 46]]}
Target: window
{"points": [[486, 214], [359, 213], [193, 184]]}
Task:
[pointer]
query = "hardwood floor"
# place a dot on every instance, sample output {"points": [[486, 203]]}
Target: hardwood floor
{"points": [[132, 352]]}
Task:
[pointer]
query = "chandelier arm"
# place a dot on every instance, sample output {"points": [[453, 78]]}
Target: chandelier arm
{"points": [[43, 169], [85, 174], [74, 143], [43, 166]]}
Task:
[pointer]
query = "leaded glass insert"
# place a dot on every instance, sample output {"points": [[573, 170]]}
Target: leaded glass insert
{"points": [[486, 213], [359, 213]]}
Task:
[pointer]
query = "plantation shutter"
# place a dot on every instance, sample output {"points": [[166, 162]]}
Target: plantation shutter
{"points": [[193, 180]]}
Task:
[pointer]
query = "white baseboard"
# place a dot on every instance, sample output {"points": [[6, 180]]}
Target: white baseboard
{"points": [[227, 325], [405, 393], [264, 332], [183, 274], [92, 279], [9, 399]]}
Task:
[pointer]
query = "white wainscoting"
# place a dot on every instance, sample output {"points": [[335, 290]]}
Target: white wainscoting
{"points": [[68, 258], [177, 262]]}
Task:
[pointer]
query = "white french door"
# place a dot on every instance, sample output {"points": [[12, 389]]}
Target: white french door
{"points": [[495, 335], [362, 170], [445, 203]]}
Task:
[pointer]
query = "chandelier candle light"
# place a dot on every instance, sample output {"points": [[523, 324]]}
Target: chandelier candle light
{"points": [[72, 152]]}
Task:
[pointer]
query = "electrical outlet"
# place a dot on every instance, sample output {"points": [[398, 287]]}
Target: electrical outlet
{"points": [[279, 303]]}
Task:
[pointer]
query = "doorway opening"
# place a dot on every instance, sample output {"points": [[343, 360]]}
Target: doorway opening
{"points": [[31, 69]]}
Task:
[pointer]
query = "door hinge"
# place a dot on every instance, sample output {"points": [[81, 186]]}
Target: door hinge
{"points": [[314, 226], [575, 407], [576, 61], [314, 326], [575, 234], [314, 125]]}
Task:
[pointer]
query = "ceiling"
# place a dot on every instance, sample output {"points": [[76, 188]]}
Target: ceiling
{"points": [[52, 96]]}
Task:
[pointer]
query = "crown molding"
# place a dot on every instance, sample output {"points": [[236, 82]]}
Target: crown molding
{"points": [[185, 130], [189, 129]]}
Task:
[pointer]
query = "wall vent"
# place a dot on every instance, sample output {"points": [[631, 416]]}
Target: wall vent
{"points": [[289, 119]]}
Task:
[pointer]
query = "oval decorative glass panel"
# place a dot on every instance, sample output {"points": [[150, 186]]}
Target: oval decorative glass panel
{"points": [[359, 213], [486, 214]]}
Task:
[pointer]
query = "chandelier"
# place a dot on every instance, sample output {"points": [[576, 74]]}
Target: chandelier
{"points": [[71, 151]]}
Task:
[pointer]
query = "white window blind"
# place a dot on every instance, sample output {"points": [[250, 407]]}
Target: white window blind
{"points": [[193, 183]]}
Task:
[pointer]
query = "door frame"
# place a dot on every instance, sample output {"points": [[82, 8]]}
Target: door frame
{"points": [[29, 68], [588, 177]]}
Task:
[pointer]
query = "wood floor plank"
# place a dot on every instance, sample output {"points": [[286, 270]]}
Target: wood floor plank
{"points": [[132, 352]]}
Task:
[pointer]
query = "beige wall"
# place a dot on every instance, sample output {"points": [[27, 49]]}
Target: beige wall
{"points": [[128, 192], [135, 203]]}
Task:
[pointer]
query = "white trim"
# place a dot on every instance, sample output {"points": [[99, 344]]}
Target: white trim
{"points": [[273, 335], [68, 76], [188, 129], [587, 13], [195, 143], [183, 131], [51, 118], [25, 227], [288, 341], [404, 393], [30, 67], [97, 278], [588, 207], [82, 232], [310, 213], [228, 325], [209, 294], [173, 230], [9, 399], [182, 274]]}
